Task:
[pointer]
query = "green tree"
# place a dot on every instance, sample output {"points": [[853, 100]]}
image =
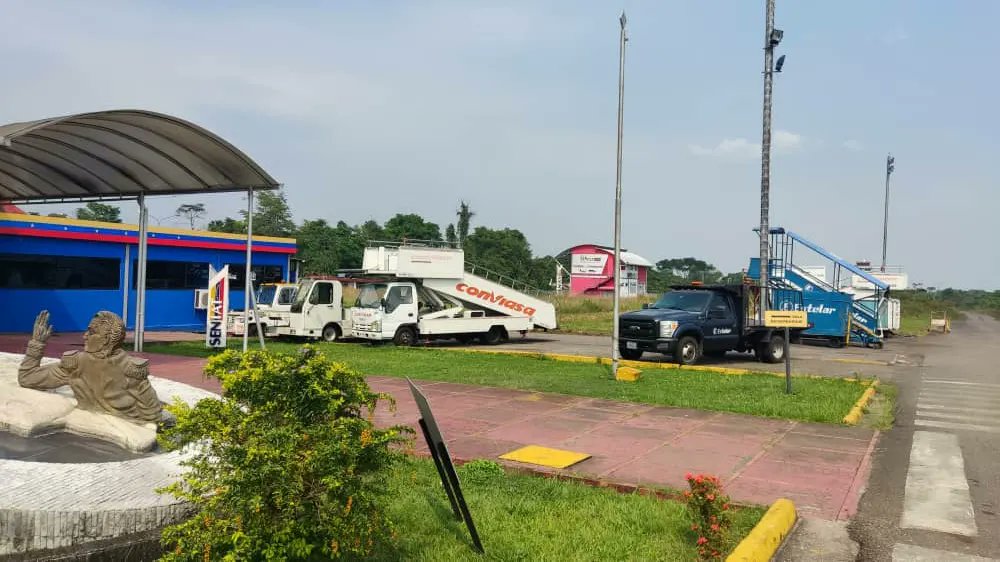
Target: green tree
{"points": [[685, 270], [411, 226], [371, 231], [503, 251], [57, 215], [449, 234], [465, 215], [318, 247], [271, 216], [286, 465], [228, 224], [191, 211], [99, 212], [350, 244]]}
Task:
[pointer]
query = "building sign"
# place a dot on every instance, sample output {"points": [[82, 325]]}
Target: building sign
{"points": [[587, 264], [218, 307], [786, 319]]}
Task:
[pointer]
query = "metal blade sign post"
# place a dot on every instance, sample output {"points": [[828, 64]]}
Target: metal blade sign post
{"points": [[442, 461], [786, 319]]}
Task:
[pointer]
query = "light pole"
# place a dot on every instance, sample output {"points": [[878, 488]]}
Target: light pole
{"points": [[618, 196], [772, 37], [890, 166]]}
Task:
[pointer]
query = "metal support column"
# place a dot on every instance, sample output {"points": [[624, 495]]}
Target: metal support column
{"points": [[126, 277], [248, 286], [140, 297]]}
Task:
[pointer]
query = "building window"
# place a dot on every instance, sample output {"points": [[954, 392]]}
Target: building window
{"points": [[19, 271], [261, 274], [172, 275]]}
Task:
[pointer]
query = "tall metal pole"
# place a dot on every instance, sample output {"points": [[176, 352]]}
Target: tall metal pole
{"points": [[618, 196], [248, 286], [890, 165], [765, 159]]}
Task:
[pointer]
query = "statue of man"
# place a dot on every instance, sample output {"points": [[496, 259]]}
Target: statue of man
{"points": [[102, 376]]}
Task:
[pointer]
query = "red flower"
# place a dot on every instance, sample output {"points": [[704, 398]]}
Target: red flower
{"points": [[715, 526], [725, 506], [694, 526], [688, 476], [687, 494], [710, 497], [699, 479], [702, 540]]}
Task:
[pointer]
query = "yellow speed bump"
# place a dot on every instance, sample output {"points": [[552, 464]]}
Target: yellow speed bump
{"points": [[544, 456]]}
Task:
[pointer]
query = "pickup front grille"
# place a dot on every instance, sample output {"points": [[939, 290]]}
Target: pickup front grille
{"points": [[640, 329]]}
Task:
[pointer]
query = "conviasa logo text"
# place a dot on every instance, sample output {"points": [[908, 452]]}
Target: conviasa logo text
{"points": [[494, 298]]}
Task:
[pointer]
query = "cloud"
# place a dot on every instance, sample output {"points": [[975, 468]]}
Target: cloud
{"points": [[742, 149], [853, 145]]}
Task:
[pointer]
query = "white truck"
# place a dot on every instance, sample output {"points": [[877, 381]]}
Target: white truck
{"points": [[312, 308], [427, 294], [271, 297]]}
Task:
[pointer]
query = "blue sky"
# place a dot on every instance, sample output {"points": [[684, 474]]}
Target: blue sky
{"points": [[366, 109]]}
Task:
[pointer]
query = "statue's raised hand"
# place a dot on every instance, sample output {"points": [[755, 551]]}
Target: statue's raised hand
{"points": [[42, 329]]}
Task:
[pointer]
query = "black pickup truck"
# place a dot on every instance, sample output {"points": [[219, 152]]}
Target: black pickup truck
{"points": [[694, 320]]}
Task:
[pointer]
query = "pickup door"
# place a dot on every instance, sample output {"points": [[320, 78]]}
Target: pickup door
{"points": [[720, 332]]}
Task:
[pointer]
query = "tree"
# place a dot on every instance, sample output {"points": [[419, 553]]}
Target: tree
{"points": [[228, 224], [271, 216], [685, 270], [465, 215], [318, 247], [192, 211], [411, 226], [503, 251], [371, 231], [449, 234], [99, 212], [57, 215]]}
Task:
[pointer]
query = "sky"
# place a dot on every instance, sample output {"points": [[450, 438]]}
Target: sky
{"points": [[367, 109]]}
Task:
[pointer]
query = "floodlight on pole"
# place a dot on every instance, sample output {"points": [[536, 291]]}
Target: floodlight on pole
{"points": [[890, 167], [615, 353]]}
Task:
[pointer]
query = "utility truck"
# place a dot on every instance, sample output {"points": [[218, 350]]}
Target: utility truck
{"points": [[312, 308], [271, 298], [428, 294]]}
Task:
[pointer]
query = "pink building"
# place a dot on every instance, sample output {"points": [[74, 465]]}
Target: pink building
{"points": [[592, 270]]}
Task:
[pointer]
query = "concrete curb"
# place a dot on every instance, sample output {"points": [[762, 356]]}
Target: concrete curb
{"points": [[637, 364], [854, 416], [765, 538]]}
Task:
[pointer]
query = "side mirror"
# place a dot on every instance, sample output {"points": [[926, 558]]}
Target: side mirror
{"points": [[382, 303], [646, 306]]}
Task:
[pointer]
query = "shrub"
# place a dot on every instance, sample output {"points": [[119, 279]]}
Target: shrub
{"points": [[481, 471], [710, 512], [286, 465]]}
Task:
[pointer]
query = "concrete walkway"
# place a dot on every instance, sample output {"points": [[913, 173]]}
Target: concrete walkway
{"points": [[822, 468]]}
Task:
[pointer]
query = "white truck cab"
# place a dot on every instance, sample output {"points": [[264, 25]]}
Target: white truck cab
{"points": [[271, 298], [317, 312]]}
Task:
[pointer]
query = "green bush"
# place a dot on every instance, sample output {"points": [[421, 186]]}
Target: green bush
{"points": [[287, 465], [481, 471]]}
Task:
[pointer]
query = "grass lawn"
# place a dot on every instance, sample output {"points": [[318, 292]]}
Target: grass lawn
{"points": [[916, 309], [813, 399], [522, 517], [592, 315]]}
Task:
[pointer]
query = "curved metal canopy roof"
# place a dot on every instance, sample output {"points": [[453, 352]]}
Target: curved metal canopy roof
{"points": [[119, 154]]}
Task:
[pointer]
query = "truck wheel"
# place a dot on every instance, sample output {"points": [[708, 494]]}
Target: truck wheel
{"points": [[688, 351], [494, 336], [405, 336], [630, 354], [773, 350], [331, 332]]}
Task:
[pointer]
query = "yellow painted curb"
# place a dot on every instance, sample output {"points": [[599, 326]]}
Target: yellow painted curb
{"points": [[854, 416], [765, 538], [637, 364], [861, 362]]}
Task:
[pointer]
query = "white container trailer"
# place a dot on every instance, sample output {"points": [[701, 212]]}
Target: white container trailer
{"points": [[428, 294]]}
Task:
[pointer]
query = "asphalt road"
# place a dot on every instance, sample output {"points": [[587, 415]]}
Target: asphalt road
{"points": [[900, 355], [950, 408]]}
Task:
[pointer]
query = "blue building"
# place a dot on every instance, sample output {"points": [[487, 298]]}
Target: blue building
{"points": [[74, 268]]}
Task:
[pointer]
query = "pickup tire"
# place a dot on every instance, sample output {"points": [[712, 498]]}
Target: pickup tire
{"points": [[772, 350], [405, 337], [688, 351], [630, 354], [331, 332]]}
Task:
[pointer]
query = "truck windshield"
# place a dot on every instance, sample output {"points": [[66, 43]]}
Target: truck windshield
{"points": [[689, 301], [370, 296], [300, 295], [286, 295], [265, 295]]}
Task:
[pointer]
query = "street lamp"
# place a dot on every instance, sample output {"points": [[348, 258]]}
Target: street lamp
{"points": [[890, 167], [772, 38], [618, 197]]}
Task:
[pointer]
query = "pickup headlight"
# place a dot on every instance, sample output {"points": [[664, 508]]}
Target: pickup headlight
{"points": [[667, 328], [376, 326]]}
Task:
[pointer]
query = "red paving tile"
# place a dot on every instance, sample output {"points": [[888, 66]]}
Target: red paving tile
{"points": [[814, 465]]}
